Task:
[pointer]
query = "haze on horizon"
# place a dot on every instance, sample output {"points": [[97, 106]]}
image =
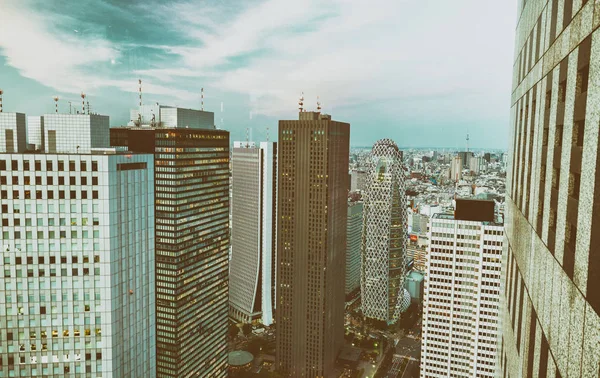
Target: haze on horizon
{"points": [[421, 73]]}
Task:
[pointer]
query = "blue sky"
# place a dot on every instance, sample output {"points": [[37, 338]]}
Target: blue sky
{"points": [[421, 72]]}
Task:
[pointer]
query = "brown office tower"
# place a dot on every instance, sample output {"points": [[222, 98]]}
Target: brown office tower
{"points": [[311, 243], [192, 241], [550, 314]]}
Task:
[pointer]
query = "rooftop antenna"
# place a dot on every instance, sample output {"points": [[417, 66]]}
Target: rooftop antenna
{"points": [[267, 135], [202, 99], [70, 107], [88, 107], [1, 91], [301, 103], [56, 103], [247, 137], [82, 103], [318, 105]]}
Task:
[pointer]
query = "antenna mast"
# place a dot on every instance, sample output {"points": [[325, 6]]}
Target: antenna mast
{"points": [[70, 107], [267, 134], [82, 103], [318, 105], [247, 137], [467, 141], [56, 103], [202, 99], [1, 91], [140, 83], [301, 103]]}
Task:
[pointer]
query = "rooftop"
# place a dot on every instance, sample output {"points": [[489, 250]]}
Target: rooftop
{"points": [[240, 358]]}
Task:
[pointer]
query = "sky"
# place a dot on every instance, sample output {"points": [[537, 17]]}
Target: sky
{"points": [[421, 72]]}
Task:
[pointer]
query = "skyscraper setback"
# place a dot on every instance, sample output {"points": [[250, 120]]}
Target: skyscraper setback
{"points": [[311, 243], [384, 234], [551, 306], [192, 241], [253, 209]]}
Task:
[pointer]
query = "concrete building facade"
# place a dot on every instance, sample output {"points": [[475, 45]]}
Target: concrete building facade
{"points": [[461, 298], [551, 306]]}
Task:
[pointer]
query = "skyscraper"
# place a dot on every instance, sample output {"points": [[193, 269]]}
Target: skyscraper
{"points": [[77, 275], [311, 243], [353, 249], [551, 311], [462, 293], [253, 241], [384, 234], [192, 241]]}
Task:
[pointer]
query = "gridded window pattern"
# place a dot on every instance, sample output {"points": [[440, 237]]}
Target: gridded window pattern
{"points": [[192, 243], [461, 299], [76, 274], [553, 232], [251, 278], [311, 236], [13, 132], [353, 248], [74, 133], [384, 257]]}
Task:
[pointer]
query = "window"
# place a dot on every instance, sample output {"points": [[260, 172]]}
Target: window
{"points": [[71, 165], [61, 166], [94, 166]]}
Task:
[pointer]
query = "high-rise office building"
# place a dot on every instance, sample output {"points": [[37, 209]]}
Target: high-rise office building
{"points": [[253, 236], [551, 312], [192, 241], [311, 243], [353, 248], [456, 167], [13, 132], [462, 293], [357, 179], [77, 275], [384, 234]]}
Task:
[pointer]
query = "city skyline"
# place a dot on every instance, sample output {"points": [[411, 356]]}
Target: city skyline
{"points": [[254, 67]]}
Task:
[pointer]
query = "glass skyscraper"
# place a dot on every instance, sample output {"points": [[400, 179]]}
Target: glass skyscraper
{"points": [[192, 242]]}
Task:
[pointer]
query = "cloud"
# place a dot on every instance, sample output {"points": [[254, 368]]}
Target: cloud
{"points": [[402, 58]]}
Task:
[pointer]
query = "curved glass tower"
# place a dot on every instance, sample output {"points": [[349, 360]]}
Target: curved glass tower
{"points": [[384, 234]]}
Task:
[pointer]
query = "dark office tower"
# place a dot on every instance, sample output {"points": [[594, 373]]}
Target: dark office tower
{"points": [[311, 243], [551, 303], [192, 241]]}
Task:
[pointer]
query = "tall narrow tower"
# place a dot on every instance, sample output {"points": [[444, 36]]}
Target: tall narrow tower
{"points": [[311, 243], [384, 234]]}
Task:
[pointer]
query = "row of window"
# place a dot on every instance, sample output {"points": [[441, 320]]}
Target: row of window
{"points": [[50, 165]]}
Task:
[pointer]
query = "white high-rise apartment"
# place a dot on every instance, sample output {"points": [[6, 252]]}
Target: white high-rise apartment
{"points": [[253, 237], [74, 133], [77, 289], [384, 234], [462, 293]]}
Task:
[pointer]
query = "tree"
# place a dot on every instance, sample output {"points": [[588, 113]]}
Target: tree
{"points": [[234, 330], [247, 329]]}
